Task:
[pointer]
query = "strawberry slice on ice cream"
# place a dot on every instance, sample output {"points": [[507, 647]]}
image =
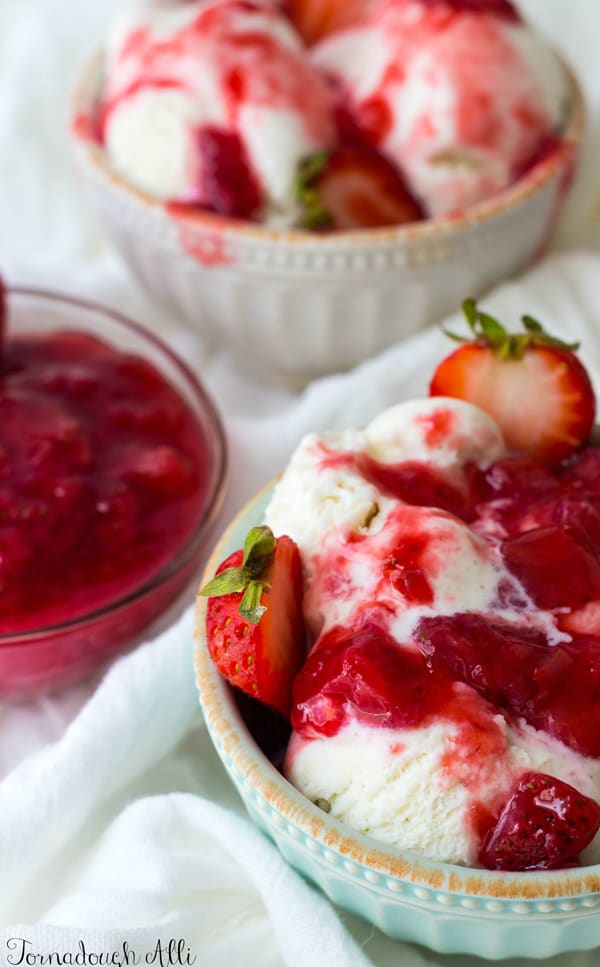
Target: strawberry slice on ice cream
{"points": [[354, 187]]}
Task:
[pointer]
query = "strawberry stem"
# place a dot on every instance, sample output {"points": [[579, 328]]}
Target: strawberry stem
{"points": [[259, 550], [487, 331], [313, 212], [250, 608]]}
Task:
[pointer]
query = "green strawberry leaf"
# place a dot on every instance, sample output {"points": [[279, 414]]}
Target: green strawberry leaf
{"points": [[469, 308], [313, 212], [509, 346], [311, 167], [536, 329], [531, 324], [232, 580], [492, 331], [259, 549]]}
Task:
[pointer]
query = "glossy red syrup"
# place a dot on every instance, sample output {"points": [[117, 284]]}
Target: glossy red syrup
{"points": [[404, 568], [546, 526], [207, 244], [103, 477], [228, 184], [363, 674], [544, 825]]}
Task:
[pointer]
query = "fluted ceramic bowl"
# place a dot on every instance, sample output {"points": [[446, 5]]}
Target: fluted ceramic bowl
{"points": [[451, 909], [294, 305]]}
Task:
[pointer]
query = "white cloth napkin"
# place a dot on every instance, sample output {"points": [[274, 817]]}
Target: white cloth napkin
{"points": [[117, 823]]}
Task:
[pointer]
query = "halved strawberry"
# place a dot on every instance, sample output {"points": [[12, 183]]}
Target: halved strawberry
{"points": [[532, 384], [314, 19], [254, 624], [354, 187], [544, 825]]}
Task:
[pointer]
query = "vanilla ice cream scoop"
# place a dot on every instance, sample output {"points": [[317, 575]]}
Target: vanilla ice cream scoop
{"points": [[460, 99], [444, 432], [408, 787], [213, 104]]}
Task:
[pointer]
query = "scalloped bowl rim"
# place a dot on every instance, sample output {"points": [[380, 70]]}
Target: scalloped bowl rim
{"points": [[229, 732], [84, 103]]}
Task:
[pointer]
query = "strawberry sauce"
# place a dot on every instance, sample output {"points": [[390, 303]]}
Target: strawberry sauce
{"points": [[103, 477], [530, 650], [467, 602]]}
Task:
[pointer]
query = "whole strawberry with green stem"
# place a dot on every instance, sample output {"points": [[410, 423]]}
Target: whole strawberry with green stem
{"points": [[254, 623], [531, 383]]}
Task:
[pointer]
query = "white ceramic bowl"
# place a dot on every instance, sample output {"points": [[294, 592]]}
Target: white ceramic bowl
{"points": [[449, 908], [293, 305]]}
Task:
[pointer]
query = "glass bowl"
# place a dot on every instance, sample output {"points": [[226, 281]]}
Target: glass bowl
{"points": [[51, 656]]}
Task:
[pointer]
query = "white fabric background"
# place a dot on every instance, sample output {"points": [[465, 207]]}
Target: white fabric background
{"points": [[116, 819]]}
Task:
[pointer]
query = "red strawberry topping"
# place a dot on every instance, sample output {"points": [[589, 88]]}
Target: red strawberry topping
{"points": [[531, 383], [364, 674], [229, 186], [254, 623], [556, 569], [544, 825]]}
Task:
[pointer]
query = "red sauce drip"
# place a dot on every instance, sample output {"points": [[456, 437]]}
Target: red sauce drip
{"points": [[103, 476], [412, 482], [437, 426], [141, 84], [229, 186], [85, 127], [375, 120], [404, 569]]}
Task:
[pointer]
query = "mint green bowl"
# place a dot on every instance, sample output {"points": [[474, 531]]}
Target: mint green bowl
{"points": [[448, 908]]}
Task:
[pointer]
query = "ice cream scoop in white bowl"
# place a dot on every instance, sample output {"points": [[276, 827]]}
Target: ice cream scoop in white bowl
{"points": [[290, 304]]}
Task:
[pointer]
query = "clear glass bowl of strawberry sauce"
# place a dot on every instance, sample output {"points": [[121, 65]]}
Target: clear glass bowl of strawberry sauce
{"points": [[112, 471]]}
